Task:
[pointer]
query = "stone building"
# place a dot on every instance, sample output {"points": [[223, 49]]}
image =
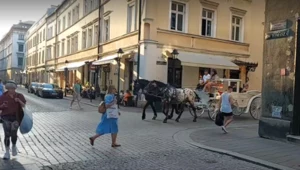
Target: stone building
{"points": [[36, 49], [280, 107], [12, 50]]}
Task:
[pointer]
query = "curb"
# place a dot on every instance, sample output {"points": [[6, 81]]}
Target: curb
{"points": [[184, 136]]}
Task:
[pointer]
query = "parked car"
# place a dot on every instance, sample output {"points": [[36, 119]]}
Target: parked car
{"points": [[50, 90], [32, 87]]}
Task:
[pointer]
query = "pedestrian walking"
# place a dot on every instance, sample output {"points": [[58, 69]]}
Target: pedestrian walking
{"points": [[76, 94], [225, 103], [1, 88], [109, 119], [11, 105]]}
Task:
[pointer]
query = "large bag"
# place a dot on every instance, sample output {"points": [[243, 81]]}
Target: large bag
{"points": [[113, 112], [102, 108], [219, 119], [27, 121]]}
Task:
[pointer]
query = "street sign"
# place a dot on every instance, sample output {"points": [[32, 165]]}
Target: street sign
{"points": [[281, 25], [277, 34]]}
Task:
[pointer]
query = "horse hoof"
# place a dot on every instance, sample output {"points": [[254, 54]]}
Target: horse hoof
{"points": [[194, 120], [154, 118], [143, 118], [177, 120], [165, 121], [170, 117]]}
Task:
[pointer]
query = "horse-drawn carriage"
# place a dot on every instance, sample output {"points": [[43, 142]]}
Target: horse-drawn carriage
{"points": [[198, 102], [245, 102]]}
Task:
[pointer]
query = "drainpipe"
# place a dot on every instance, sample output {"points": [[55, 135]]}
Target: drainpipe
{"points": [[55, 62], [139, 39], [100, 13]]}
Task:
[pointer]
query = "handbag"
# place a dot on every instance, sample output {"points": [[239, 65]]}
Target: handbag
{"points": [[219, 121], [102, 108], [27, 121], [113, 112]]}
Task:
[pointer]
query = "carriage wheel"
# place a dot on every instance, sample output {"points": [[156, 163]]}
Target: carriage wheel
{"points": [[165, 108], [211, 111], [236, 111], [255, 108], [199, 112]]}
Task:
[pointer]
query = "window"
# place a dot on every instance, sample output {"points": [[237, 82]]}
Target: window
{"points": [[44, 35], [57, 51], [20, 61], [21, 48], [236, 28], [83, 39], [49, 53], [96, 35], [177, 16], [106, 29], [72, 45], [63, 48], [131, 19], [73, 16], [43, 56], [64, 23], [90, 37], [68, 46], [76, 43], [39, 58], [207, 22], [21, 36], [37, 38], [58, 27], [41, 36], [69, 19], [86, 7]]}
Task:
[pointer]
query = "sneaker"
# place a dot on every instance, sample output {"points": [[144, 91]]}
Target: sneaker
{"points": [[14, 151], [6, 155], [224, 129]]}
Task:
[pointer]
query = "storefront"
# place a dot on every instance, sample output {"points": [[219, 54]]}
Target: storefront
{"points": [[281, 87]]}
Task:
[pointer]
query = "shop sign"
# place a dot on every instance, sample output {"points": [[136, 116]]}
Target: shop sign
{"points": [[161, 63], [106, 69], [277, 34], [92, 67], [278, 25]]}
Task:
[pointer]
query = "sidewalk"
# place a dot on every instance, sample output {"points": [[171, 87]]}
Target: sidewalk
{"points": [[244, 143], [95, 102]]}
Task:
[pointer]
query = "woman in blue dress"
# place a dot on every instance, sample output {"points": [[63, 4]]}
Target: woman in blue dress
{"points": [[108, 125], [1, 88]]}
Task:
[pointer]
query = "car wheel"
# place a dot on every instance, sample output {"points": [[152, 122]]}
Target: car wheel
{"points": [[41, 95]]}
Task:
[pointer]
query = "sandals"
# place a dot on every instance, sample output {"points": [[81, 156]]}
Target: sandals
{"points": [[115, 145], [91, 141]]}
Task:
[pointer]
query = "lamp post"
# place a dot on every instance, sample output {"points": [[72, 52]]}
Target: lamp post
{"points": [[66, 77], [120, 53], [174, 57]]}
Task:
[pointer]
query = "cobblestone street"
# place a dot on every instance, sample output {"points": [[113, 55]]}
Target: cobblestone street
{"points": [[59, 140]]}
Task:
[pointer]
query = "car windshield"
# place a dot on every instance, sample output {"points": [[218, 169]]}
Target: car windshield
{"points": [[50, 86], [34, 85]]}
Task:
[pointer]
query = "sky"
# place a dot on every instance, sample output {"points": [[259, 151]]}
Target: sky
{"points": [[12, 11]]}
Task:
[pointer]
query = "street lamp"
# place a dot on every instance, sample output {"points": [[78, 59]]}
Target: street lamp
{"points": [[174, 57], [120, 53], [66, 77]]}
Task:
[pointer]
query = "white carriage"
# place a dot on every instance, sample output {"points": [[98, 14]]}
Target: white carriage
{"points": [[247, 102]]}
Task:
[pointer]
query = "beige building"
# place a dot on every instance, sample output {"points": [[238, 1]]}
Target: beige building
{"points": [[218, 34], [36, 43]]}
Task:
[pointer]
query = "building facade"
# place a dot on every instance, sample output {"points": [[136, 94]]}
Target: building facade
{"points": [[280, 109], [12, 50], [208, 34], [217, 34], [36, 43]]}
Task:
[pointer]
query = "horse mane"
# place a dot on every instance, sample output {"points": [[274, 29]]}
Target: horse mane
{"points": [[159, 83]]}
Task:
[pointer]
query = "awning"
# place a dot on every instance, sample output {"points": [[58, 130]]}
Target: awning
{"points": [[206, 60], [105, 60], [71, 66]]}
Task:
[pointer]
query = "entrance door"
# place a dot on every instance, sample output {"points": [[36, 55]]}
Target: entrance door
{"points": [[175, 66], [130, 74]]}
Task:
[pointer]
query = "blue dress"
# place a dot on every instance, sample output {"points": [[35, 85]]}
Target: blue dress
{"points": [[106, 125], [1, 89]]}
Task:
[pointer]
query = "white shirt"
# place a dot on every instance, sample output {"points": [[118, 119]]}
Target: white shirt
{"points": [[206, 77]]}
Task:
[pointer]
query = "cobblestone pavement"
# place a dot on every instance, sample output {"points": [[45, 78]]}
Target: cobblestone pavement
{"points": [[59, 140]]}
